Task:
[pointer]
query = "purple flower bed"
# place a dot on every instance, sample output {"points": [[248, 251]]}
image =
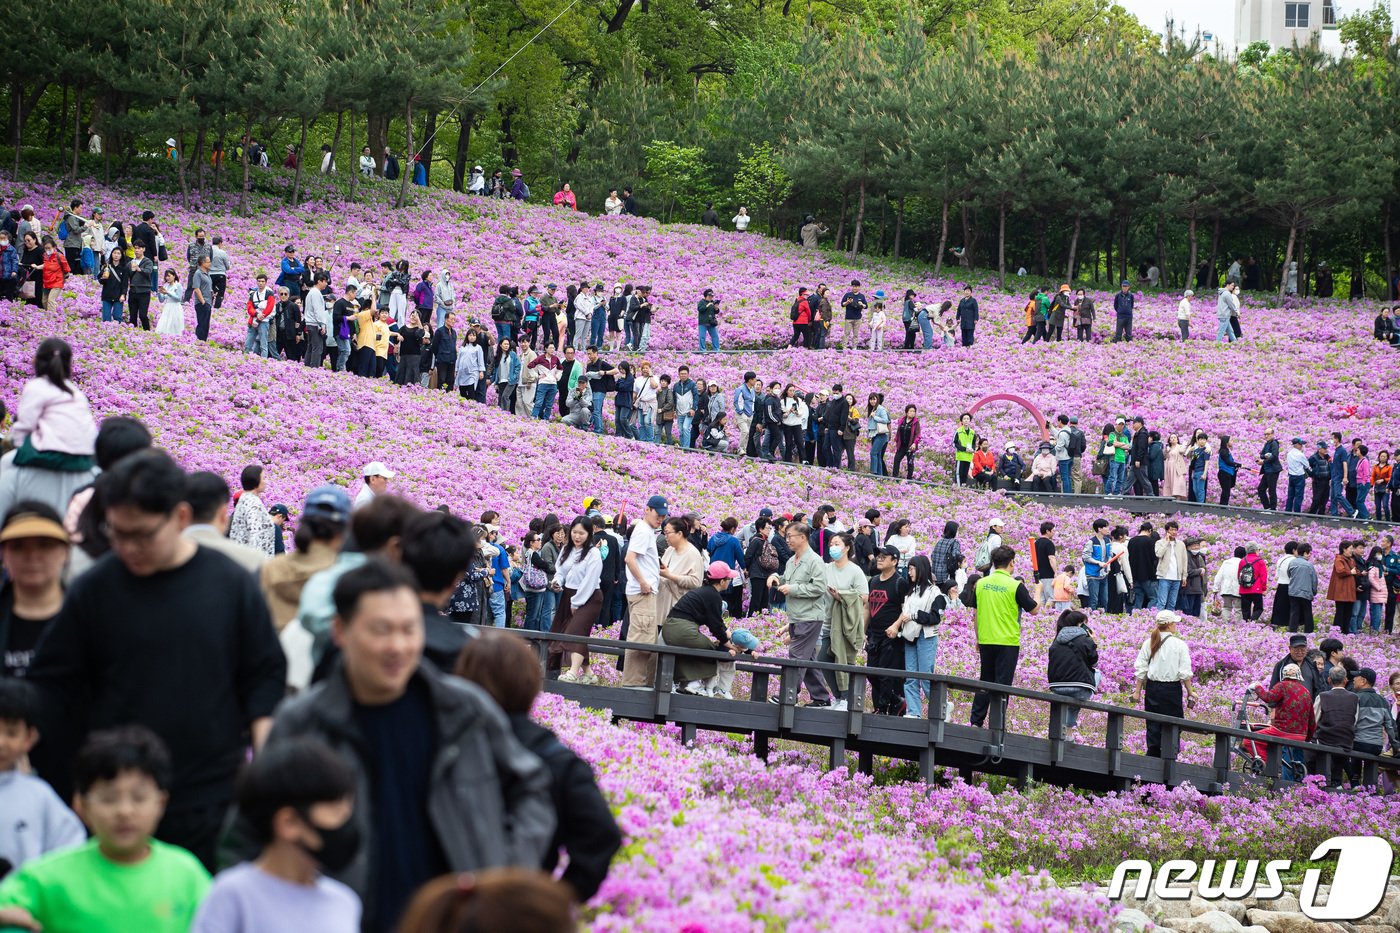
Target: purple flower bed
{"points": [[717, 839]]}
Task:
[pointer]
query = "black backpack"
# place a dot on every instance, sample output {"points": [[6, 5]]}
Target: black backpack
{"points": [[1077, 443], [501, 308]]}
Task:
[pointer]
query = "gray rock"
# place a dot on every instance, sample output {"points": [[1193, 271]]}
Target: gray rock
{"points": [[1131, 921]]}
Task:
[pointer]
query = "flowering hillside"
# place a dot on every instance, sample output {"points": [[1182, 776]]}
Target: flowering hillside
{"points": [[719, 842]]}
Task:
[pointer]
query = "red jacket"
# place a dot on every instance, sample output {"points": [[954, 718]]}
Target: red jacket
{"points": [[1261, 575], [913, 434], [55, 268], [269, 308], [983, 462]]}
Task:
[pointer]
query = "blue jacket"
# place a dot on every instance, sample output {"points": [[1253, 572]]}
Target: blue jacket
{"points": [[1123, 303], [967, 313], [291, 275], [1228, 467], [9, 263], [743, 403], [724, 546], [513, 371]]}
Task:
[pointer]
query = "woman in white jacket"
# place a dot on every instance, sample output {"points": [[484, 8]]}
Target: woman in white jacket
{"points": [[471, 365], [577, 574]]}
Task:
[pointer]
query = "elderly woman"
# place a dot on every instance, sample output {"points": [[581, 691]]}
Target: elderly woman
{"points": [[682, 565]]}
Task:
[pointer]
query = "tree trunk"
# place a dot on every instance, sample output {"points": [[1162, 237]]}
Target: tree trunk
{"points": [[1287, 258], [1123, 251], [898, 226], [1001, 245], [942, 239], [16, 122], [840, 224], [464, 141], [1108, 253], [243, 147], [408, 147], [180, 171], [1161, 253], [335, 141], [1214, 254], [430, 137], [377, 131], [860, 219], [301, 163], [77, 135], [1073, 248], [354, 162], [1303, 265], [1040, 248], [197, 161], [1195, 246], [1389, 254]]}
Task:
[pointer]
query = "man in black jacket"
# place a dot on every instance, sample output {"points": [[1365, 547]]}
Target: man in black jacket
{"points": [[1142, 561], [1297, 654], [1270, 466], [838, 410], [772, 421], [443, 350], [1137, 454], [1320, 469], [145, 235], [601, 383]]}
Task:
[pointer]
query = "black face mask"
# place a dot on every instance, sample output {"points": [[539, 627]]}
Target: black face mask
{"points": [[339, 846]]}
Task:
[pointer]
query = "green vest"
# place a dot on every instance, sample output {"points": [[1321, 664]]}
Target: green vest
{"points": [[998, 616], [967, 438]]}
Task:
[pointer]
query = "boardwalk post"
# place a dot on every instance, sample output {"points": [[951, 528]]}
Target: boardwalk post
{"points": [[665, 676], [836, 757], [1113, 744], [926, 761], [1057, 733], [855, 700], [760, 746], [1221, 761], [937, 711], [1171, 750], [866, 763], [787, 697]]}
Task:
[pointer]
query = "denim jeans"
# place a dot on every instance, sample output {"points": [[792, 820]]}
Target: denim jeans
{"points": [[1144, 594], [597, 422], [1363, 493], [498, 608], [1076, 693], [712, 332], [255, 341], [597, 328], [1225, 332], [1167, 593], [643, 336], [877, 454], [1198, 487], [919, 655], [1339, 498], [1066, 480], [343, 347], [112, 311], [646, 426], [545, 393], [684, 424], [1296, 487], [1377, 611], [1098, 592], [1117, 473]]}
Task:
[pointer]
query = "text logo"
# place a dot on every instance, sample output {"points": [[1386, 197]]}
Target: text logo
{"points": [[1358, 882]]}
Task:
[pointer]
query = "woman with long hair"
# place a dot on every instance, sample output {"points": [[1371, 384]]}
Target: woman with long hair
{"points": [[906, 441], [505, 372], [1162, 673], [919, 624], [754, 561], [1073, 662], [578, 573], [471, 365], [1227, 467], [792, 424], [877, 429], [1174, 468]]}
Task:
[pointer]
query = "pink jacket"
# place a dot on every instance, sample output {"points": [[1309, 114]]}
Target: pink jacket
{"points": [[1378, 588], [1363, 474], [58, 422]]}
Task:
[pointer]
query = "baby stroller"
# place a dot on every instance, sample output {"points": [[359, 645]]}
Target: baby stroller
{"points": [[1252, 714]]}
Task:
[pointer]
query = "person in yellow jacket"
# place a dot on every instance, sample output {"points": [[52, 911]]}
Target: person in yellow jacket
{"points": [[999, 599]]}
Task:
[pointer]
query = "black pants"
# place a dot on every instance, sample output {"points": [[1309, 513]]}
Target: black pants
{"points": [[202, 312], [1123, 329], [1084, 331], [799, 335], [964, 467], [1227, 483], [445, 372], [1321, 490], [1185, 329], [138, 307], [410, 369], [1164, 697], [909, 335], [734, 599], [1390, 614], [1252, 606], [792, 443], [887, 693], [907, 455], [998, 667], [1268, 490], [1142, 485], [1030, 335], [758, 592], [1300, 614], [196, 829], [850, 446], [775, 440], [1343, 616], [75, 260], [967, 336], [220, 284]]}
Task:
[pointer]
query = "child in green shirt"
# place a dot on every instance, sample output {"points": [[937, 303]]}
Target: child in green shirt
{"points": [[121, 879]]}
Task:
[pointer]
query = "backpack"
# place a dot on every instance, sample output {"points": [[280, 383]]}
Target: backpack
{"points": [[983, 558], [768, 556], [1245, 574], [1363, 587], [501, 308], [1077, 442], [525, 190], [63, 229]]}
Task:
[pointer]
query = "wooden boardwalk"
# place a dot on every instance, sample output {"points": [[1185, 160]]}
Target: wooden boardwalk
{"points": [[933, 743]]}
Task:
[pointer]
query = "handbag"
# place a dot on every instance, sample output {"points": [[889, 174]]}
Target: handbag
{"points": [[1121, 584], [1100, 467], [27, 289]]}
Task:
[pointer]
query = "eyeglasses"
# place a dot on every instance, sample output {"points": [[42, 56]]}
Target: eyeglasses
{"points": [[136, 538]]}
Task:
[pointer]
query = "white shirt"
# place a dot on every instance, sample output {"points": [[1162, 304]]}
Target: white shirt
{"points": [[612, 206], [364, 497], [1171, 663], [1281, 575], [908, 547], [641, 543], [741, 222], [580, 574], [1227, 578], [1183, 310], [1297, 462], [1168, 570]]}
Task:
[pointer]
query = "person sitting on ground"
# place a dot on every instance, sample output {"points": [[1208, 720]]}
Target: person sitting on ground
{"points": [[505, 667]]}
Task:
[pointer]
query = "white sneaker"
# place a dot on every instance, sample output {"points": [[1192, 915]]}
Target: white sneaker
{"points": [[722, 696], [695, 687], [839, 705], [588, 679], [913, 716], [568, 677]]}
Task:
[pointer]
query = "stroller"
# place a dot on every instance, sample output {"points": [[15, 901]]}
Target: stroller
{"points": [[1252, 714]]}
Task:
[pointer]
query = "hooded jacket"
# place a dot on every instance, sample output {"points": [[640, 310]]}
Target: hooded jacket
{"points": [[488, 798], [1073, 658], [283, 578]]}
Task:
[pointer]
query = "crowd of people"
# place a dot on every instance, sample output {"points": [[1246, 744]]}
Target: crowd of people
{"points": [[346, 730]]}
